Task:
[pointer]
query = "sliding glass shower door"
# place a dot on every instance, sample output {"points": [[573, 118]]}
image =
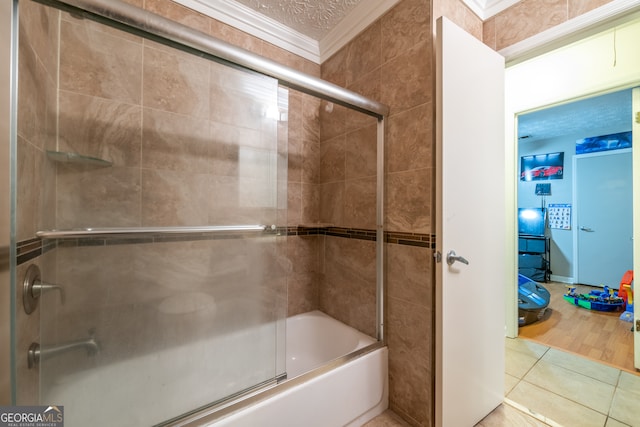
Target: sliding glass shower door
{"points": [[163, 179]]}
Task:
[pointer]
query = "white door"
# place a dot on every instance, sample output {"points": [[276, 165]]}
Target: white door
{"points": [[604, 217], [470, 220], [636, 221]]}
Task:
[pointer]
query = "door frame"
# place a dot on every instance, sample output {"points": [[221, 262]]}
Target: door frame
{"points": [[551, 79], [575, 220]]}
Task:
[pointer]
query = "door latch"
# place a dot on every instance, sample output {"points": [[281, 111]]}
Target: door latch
{"points": [[438, 256], [637, 325]]}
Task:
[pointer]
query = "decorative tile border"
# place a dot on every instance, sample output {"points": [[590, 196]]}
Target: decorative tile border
{"points": [[411, 239], [27, 250], [33, 248]]}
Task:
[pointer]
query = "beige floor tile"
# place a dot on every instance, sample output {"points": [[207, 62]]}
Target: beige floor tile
{"points": [[508, 416], [613, 423], [572, 385], [626, 407], [563, 411], [583, 366], [509, 383], [629, 382], [529, 348], [518, 364]]}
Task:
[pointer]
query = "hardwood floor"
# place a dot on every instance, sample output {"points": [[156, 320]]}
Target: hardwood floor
{"points": [[598, 335]]}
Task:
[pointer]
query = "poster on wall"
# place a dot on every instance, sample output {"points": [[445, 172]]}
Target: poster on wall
{"points": [[560, 216], [538, 167], [593, 144]]}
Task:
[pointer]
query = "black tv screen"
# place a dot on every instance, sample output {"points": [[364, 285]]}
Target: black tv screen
{"points": [[531, 221]]}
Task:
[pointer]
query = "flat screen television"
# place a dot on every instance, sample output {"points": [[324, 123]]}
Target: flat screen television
{"points": [[531, 221]]}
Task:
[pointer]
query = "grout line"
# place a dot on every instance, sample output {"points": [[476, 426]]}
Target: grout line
{"points": [[613, 398]]}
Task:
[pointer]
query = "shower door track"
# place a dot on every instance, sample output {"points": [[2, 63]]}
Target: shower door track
{"points": [[146, 231], [131, 17]]}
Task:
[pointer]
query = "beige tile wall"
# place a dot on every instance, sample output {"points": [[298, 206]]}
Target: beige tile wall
{"points": [[391, 62], [347, 290], [303, 201], [37, 69], [460, 14], [530, 17], [154, 113]]}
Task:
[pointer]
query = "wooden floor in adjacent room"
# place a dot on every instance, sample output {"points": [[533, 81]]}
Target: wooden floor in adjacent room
{"points": [[598, 335]]}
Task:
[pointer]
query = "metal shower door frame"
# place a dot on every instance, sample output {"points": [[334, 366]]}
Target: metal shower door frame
{"points": [[8, 113]]}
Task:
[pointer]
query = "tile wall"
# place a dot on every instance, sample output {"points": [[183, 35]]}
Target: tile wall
{"points": [[391, 62], [396, 69], [530, 17]]}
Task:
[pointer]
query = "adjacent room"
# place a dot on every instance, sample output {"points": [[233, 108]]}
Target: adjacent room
{"points": [[575, 245]]}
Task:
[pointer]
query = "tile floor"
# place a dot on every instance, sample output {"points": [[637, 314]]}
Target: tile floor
{"points": [[562, 389], [503, 416], [549, 387]]}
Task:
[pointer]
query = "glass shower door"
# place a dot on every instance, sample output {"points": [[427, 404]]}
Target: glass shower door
{"points": [[158, 309]]}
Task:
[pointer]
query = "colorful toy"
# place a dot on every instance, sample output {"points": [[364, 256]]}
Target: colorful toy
{"points": [[605, 300], [533, 299], [626, 293]]}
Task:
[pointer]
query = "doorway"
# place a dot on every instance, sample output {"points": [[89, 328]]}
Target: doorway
{"points": [[576, 71], [590, 238]]}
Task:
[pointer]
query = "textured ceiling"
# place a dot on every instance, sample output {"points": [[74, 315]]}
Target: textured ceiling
{"points": [[312, 29], [580, 117], [317, 18], [312, 18]]}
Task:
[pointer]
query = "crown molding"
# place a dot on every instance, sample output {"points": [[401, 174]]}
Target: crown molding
{"points": [[485, 9], [617, 11], [363, 15], [246, 19]]}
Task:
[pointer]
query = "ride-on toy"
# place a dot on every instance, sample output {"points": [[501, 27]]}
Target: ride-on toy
{"points": [[533, 300]]}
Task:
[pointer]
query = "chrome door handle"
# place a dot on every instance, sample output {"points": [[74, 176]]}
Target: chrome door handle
{"points": [[452, 257], [587, 229]]}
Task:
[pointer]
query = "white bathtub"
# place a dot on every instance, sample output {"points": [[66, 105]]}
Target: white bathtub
{"points": [[349, 395], [314, 338], [132, 392]]}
